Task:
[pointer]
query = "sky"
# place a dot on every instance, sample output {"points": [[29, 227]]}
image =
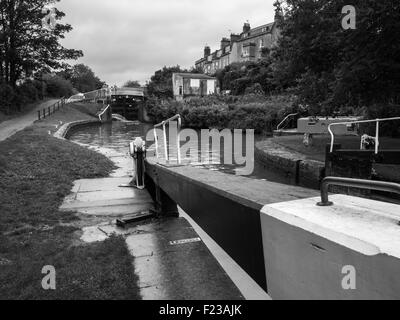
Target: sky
{"points": [[131, 39]]}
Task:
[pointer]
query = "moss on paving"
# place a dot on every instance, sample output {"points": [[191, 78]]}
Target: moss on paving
{"points": [[36, 173]]}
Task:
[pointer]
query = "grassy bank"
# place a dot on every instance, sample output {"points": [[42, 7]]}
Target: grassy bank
{"points": [[36, 173]]}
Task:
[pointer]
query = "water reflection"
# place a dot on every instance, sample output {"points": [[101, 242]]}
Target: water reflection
{"points": [[118, 135]]}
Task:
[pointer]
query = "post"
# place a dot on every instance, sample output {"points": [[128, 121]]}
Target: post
{"points": [[39, 115], [178, 140], [377, 137], [156, 142], [165, 142], [44, 113]]}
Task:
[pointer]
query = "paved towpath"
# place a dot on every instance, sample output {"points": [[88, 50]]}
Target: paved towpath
{"points": [[11, 127], [171, 261]]}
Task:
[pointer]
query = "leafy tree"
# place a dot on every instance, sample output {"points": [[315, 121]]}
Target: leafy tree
{"points": [[26, 47], [160, 85], [132, 84], [57, 86], [82, 78], [333, 67]]}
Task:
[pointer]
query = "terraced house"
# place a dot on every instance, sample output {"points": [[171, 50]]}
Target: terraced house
{"points": [[247, 46]]}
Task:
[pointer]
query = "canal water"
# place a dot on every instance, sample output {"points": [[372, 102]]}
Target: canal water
{"points": [[118, 135]]}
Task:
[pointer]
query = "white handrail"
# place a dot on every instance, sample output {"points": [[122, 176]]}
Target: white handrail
{"points": [[103, 112], [163, 125], [284, 120], [378, 121]]}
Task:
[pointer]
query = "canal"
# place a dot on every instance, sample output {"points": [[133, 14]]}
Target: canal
{"points": [[118, 135]]}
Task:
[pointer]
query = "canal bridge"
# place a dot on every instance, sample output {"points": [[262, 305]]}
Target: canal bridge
{"points": [[126, 102]]}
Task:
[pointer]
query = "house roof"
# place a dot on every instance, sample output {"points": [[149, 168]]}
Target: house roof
{"points": [[194, 76], [256, 32]]}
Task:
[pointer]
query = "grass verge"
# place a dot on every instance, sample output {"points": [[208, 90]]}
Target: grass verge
{"points": [[36, 173]]}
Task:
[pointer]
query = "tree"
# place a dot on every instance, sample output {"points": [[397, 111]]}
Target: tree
{"points": [[26, 46], [132, 84], [82, 78], [160, 85], [333, 67]]}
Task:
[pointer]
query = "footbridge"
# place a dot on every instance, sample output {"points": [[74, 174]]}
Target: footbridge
{"points": [[127, 102]]}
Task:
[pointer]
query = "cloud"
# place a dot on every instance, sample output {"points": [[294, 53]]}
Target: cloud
{"points": [[131, 39]]}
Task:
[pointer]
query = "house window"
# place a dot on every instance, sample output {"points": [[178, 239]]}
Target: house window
{"points": [[180, 90], [245, 52], [262, 44]]}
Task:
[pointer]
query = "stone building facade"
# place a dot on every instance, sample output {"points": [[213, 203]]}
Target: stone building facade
{"points": [[246, 46], [186, 85]]}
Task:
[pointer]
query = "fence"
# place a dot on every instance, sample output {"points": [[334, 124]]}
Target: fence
{"points": [[47, 112]]}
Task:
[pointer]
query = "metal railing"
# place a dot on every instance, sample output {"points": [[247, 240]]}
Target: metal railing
{"points": [[378, 121], [163, 125], [354, 183], [103, 112], [284, 120], [51, 109]]}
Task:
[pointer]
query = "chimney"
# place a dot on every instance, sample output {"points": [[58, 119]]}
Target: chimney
{"points": [[234, 37], [207, 51], [225, 42], [246, 27]]}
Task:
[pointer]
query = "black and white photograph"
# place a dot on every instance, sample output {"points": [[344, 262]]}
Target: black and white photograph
{"points": [[199, 155]]}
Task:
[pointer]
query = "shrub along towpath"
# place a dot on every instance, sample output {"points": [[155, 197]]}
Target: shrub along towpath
{"points": [[37, 172]]}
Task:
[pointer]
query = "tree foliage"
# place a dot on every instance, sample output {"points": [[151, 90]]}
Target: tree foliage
{"points": [[132, 84], [26, 47], [333, 67], [82, 78], [160, 85]]}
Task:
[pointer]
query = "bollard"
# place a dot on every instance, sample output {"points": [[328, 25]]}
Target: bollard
{"points": [[138, 153], [39, 115]]}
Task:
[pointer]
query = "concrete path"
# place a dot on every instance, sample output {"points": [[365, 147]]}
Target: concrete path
{"points": [[171, 260], [11, 127]]}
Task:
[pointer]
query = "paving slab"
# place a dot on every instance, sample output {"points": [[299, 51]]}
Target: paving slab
{"points": [[186, 271], [105, 197]]}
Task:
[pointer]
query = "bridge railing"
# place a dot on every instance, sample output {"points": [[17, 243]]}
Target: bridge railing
{"points": [[280, 125], [378, 121], [163, 125]]}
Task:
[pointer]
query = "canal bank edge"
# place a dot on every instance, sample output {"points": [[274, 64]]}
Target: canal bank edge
{"points": [[302, 171], [62, 132]]}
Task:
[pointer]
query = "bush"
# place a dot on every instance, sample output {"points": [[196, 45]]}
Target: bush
{"points": [[58, 86], [382, 111], [255, 89], [218, 112], [7, 96], [26, 93]]}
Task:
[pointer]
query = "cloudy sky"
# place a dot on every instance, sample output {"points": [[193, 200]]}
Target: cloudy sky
{"points": [[131, 39]]}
